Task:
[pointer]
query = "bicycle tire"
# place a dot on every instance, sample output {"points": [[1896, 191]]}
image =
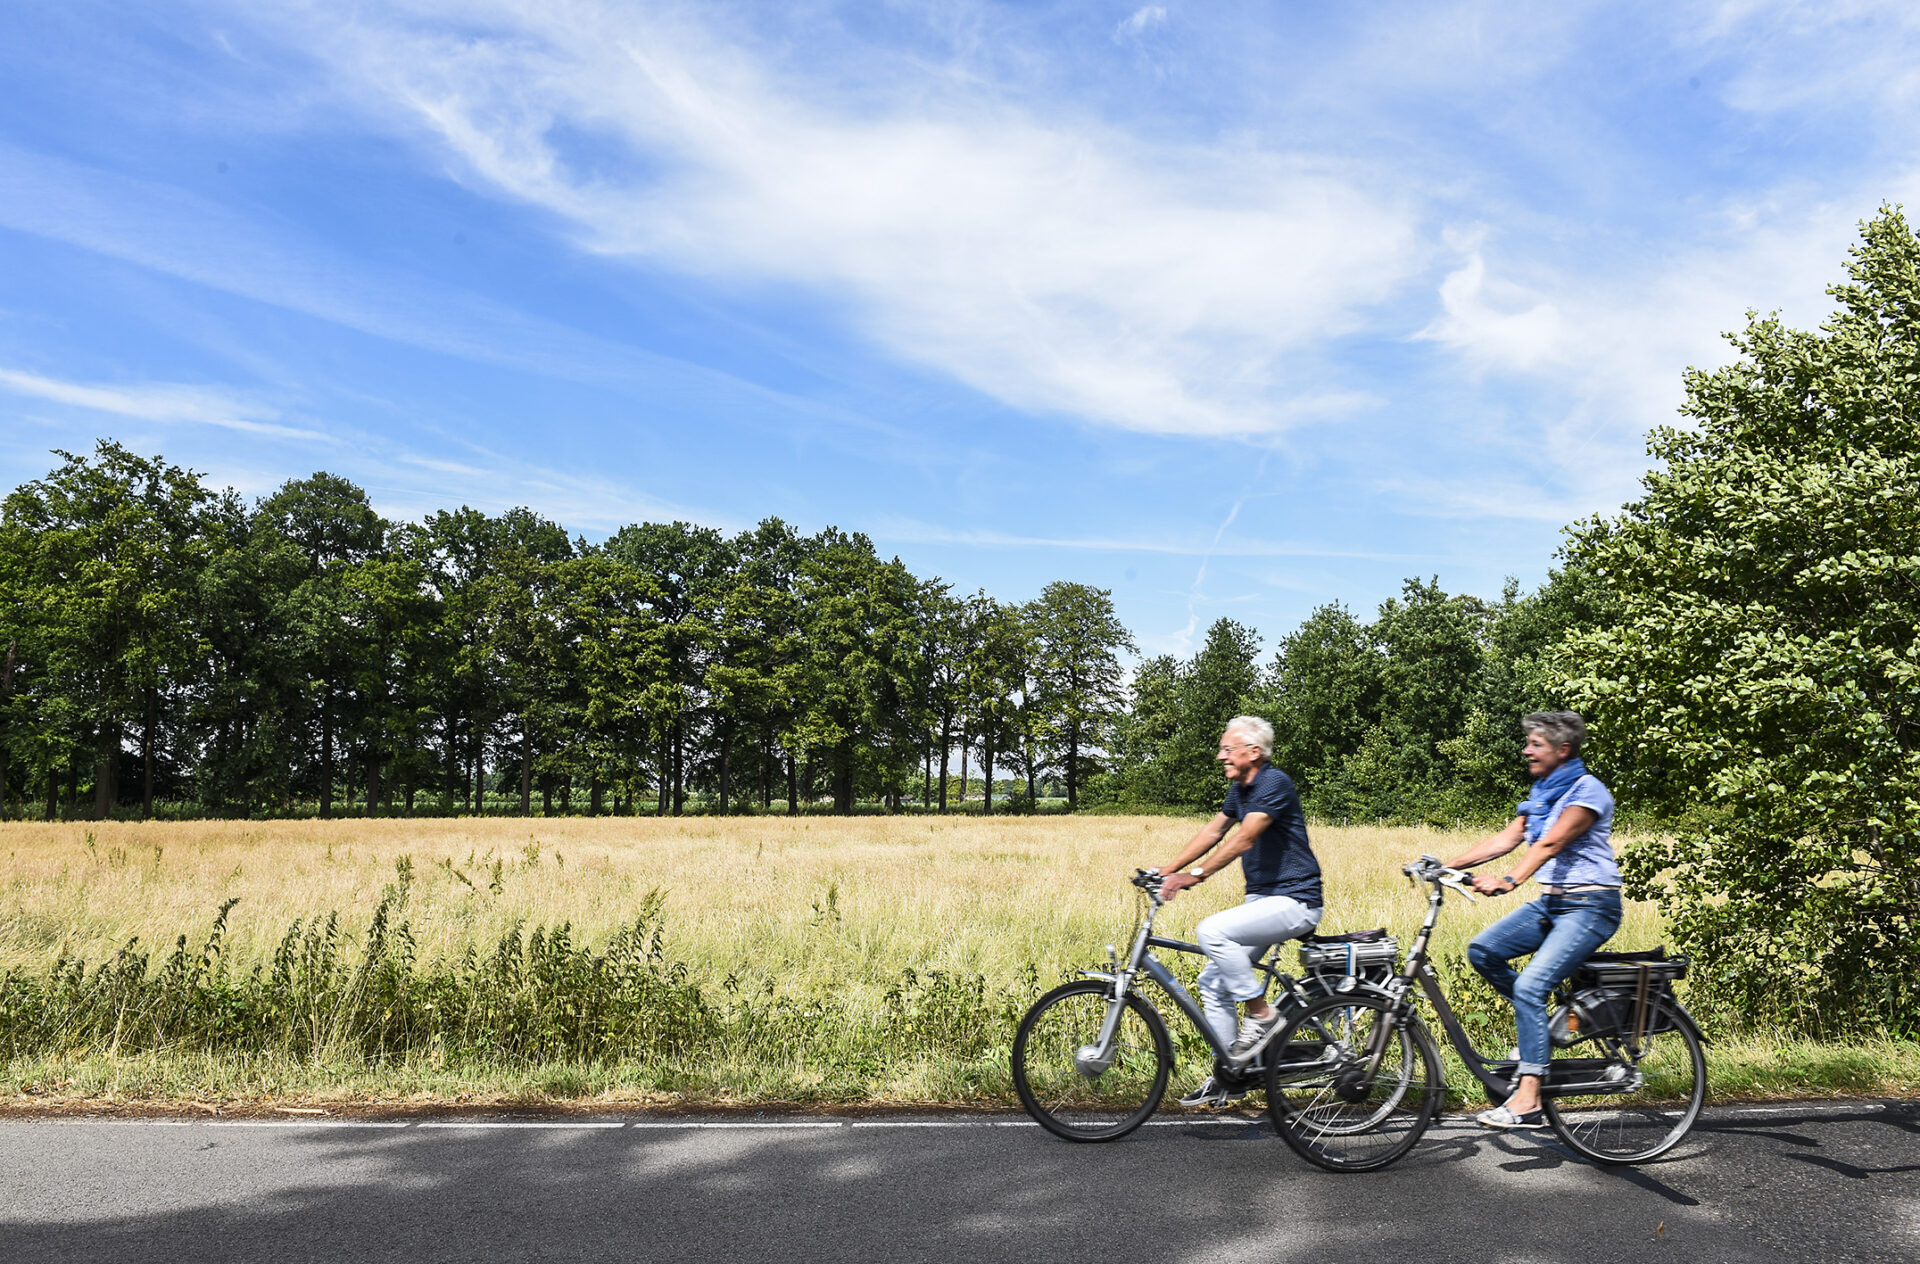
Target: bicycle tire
{"points": [[1066, 1101], [1327, 1116], [1621, 1129]]}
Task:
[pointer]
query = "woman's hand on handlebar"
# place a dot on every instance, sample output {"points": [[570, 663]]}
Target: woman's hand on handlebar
{"points": [[1487, 884]]}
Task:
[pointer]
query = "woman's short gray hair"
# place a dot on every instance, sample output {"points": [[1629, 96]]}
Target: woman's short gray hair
{"points": [[1256, 730], [1560, 728]]}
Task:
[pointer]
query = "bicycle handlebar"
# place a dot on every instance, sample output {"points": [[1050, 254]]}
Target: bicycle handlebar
{"points": [[1429, 869]]}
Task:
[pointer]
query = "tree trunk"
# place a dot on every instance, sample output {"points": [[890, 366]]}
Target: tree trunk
{"points": [[843, 783], [946, 755], [376, 791], [105, 773], [72, 804], [726, 765], [526, 767], [6, 693], [926, 784], [146, 760], [766, 783], [793, 789], [662, 794], [986, 772], [546, 796], [53, 792], [965, 750], [1073, 766], [326, 758], [454, 763], [593, 794], [679, 768]]}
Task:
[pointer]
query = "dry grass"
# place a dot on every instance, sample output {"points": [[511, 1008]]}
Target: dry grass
{"points": [[823, 914], [852, 900]]}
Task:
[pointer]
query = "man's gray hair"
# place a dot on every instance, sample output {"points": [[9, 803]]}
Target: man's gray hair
{"points": [[1256, 730], [1561, 728]]}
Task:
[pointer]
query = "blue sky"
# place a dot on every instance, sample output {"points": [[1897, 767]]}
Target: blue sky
{"points": [[1232, 309]]}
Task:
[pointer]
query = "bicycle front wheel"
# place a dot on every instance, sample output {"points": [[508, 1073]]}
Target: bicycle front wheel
{"points": [[1073, 1088], [1643, 1123], [1324, 1103]]}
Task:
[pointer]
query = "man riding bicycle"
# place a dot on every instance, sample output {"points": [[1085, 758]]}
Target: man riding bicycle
{"points": [[1283, 896], [1567, 822]]}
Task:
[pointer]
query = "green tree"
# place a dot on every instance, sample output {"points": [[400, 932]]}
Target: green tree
{"points": [[105, 557], [1322, 694], [1760, 677], [328, 522], [1078, 642]]}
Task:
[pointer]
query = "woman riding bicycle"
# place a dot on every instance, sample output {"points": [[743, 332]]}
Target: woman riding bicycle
{"points": [[1566, 822]]}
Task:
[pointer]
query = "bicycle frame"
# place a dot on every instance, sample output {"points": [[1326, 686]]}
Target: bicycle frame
{"points": [[1565, 1075], [1140, 961]]}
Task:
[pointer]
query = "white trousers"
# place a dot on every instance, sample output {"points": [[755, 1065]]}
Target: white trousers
{"points": [[1234, 939]]}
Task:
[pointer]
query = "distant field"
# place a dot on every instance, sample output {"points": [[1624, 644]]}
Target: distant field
{"points": [[835, 925]]}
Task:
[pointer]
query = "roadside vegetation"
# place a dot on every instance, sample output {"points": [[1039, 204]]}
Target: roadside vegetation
{"points": [[698, 962]]}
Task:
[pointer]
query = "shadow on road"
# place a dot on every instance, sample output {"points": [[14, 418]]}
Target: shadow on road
{"points": [[1196, 1193]]}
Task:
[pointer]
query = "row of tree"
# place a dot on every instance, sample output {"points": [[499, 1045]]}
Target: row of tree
{"points": [[1414, 715], [167, 643]]}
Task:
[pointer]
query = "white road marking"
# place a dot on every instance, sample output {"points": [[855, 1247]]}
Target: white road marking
{"points": [[510, 1125]]}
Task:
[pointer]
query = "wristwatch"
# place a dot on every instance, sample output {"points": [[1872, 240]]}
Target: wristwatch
{"points": [[1198, 872], [1510, 880]]}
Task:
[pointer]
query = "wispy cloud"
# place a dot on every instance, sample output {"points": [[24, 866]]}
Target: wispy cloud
{"points": [[161, 402], [1052, 262], [1138, 22], [182, 235], [924, 533]]}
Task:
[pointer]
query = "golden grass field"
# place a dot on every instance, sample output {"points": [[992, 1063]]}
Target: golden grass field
{"points": [[817, 907], [954, 893]]}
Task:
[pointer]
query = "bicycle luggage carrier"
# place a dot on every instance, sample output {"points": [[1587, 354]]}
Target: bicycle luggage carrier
{"points": [[1617, 970], [1350, 955]]}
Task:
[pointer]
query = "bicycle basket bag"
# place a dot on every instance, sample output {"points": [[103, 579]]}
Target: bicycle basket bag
{"points": [[1364, 954], [1606, 995]]}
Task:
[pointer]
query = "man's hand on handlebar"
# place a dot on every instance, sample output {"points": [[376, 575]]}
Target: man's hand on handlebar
{"points": [[1174, 883]]}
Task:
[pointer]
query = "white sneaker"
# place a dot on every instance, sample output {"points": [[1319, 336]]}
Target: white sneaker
{"points": [[1212, 1093], [1253, 1037]]}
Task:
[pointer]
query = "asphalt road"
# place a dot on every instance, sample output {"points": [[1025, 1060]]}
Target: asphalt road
{"points": [[1794, 1183]]}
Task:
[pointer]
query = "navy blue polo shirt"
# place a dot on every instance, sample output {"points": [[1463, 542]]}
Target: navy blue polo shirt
{"points": [[1280, 862]]}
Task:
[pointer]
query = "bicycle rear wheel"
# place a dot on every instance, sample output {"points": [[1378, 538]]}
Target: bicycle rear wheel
{"points": [[1321, 1100], [1640, 1124], [1083, 1098]]}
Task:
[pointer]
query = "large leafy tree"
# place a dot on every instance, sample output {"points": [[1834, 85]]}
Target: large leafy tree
{"points": [[105, 555], [1078, 643], [1761, 676]]}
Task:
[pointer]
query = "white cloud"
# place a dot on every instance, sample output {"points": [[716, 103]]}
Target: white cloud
{"points": [[907, 531], [1050, 262], [1136, 23], [160, 402]]}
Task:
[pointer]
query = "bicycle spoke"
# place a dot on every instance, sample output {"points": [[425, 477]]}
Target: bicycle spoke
{"points": [[1658, 1103], [1324, 1103], [1066, 1093]]}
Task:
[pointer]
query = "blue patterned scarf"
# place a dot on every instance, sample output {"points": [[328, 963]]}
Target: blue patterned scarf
{"points": [[1547, 793]]}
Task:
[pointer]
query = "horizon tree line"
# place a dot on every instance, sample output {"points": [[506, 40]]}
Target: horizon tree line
{"points": [[166, 643]]}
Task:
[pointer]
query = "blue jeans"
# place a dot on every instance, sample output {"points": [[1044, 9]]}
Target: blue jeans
{"points": [[1560, 931]]}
